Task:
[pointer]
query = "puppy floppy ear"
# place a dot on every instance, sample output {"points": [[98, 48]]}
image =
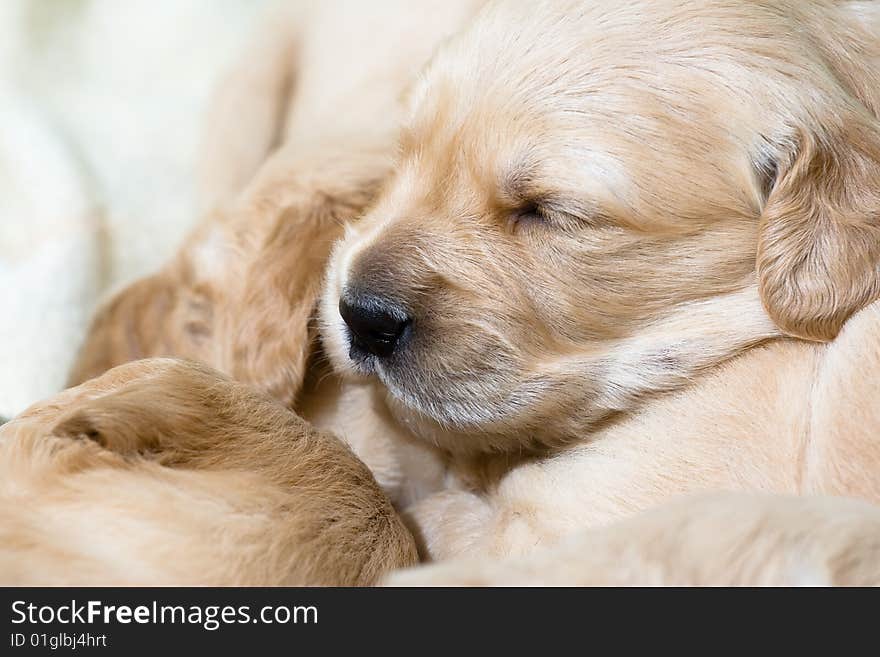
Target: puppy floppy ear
{"points": [[271, 332], [818, 256], [271, 339]]}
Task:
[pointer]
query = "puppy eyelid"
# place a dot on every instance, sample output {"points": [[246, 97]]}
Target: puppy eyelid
{"points": [[546, 214], [529, 212], [532, 209]]}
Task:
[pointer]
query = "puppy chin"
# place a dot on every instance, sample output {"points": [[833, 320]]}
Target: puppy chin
{"points": [[335, 341], [428, 429], [466, 442]]}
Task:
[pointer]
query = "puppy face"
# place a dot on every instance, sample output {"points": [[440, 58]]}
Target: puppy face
{"points": [[594, 202]]}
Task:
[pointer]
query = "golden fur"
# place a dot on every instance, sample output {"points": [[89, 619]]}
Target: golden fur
{"points": [[715, 540], [594, 203], [594, 200], [599, 202], [164, 472], [278, 182]]}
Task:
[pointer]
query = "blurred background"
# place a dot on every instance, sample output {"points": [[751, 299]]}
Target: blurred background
{"points": [[100, 109]]}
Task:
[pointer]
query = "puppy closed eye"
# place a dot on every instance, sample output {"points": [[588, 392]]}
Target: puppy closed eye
{"points": [[535, 215], [528, 215]]}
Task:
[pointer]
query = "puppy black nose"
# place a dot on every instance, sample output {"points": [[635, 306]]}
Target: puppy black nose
{"points": [[376, 326]]}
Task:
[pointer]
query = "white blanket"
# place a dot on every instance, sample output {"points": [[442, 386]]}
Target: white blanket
{"points": [[100, 106]]}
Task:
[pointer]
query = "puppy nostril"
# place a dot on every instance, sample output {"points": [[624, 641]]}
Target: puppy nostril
{"points": [[375, 325]]}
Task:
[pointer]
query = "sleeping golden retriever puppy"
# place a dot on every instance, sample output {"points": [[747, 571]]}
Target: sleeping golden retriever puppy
{"points": [[716, 540], [164, 472], [598, 202]]}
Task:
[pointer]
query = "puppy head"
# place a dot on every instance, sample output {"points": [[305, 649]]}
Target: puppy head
{"points": [[595, 202], [170, 408]]}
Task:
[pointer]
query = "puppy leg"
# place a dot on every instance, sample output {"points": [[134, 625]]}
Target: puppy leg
{"points": [[510, 517]]}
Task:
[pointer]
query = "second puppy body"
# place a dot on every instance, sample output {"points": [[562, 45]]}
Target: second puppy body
{"points": [[786, 418], [165, 473]]}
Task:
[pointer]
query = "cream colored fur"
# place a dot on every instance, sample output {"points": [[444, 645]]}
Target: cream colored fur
{"points": [[790, 417], [609, 223], [101, 108], [600, 213], [163, 472], [715, 540]]}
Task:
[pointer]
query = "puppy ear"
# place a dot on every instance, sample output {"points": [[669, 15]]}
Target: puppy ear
{"points": [[272, 333], [818, 256]]}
